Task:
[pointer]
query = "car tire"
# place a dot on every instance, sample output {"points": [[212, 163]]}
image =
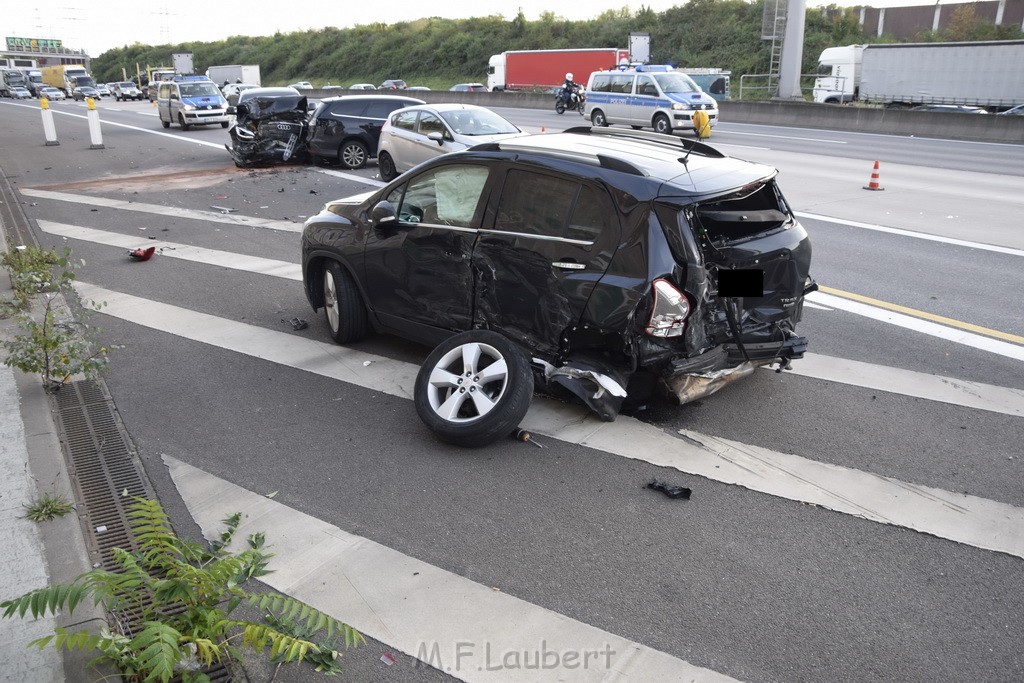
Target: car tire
{"points": [[465, 417], [223, 124], [388, 172], [637, 127], [598, 119], [353, 154], [559, 108], [181, 122], [662, 125], [165, 124], [344, 310]]}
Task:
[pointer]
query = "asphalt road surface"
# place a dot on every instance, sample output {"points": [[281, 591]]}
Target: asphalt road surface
{"points": [[858, 518]]}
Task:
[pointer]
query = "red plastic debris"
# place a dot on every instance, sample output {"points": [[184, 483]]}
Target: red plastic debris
{"points": [[141, 254]]}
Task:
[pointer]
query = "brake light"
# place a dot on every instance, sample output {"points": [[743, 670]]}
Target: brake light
{"points": [[671, 307]]}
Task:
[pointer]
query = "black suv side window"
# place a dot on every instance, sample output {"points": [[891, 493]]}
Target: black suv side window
{"points": [[534, 204], [449, 195], [347, 108], [592, 215], [380, 109]]}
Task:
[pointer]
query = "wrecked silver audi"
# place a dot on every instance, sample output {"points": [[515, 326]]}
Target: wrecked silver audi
{"points": [[598, 263]]}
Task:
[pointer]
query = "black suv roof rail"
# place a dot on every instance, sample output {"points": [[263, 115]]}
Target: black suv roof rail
{"points": [[649, 136], [602, 160]]}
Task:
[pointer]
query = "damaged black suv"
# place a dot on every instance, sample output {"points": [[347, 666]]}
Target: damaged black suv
{"points": [[603, 262]]}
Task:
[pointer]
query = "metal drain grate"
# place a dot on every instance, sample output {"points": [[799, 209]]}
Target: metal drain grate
{"points": [[102, 467]]}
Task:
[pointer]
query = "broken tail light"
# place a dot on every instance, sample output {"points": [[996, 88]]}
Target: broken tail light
{"points": [[671, 307]]}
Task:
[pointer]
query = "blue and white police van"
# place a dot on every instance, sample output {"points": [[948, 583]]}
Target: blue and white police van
{"points": [[647, 96], [191, 101]]}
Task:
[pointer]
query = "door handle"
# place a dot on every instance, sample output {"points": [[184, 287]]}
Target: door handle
{"points": [[569, 265]]}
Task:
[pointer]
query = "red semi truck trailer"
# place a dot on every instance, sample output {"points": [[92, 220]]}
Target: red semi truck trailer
{"points": [[538, 69]]}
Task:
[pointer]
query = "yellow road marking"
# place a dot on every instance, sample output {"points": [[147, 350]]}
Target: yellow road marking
{"points": [[942, 320]]}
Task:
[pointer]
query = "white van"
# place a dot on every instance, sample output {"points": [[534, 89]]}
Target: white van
{"points": [[191, 101], [655, 97]]}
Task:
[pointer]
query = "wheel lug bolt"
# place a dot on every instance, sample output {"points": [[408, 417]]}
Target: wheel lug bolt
{"points": [[472, 388], [460, 380], [462, 390]]}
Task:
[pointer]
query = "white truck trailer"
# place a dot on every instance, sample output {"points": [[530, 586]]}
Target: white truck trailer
{"points": [[235, 73], [984, 73]]}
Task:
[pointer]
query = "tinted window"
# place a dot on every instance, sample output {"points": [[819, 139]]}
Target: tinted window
{"points": [[676, 82], [448, 195], [535, 204], [405, 120], [645, 86], [349, 108], [593, 214], [380, 109]]}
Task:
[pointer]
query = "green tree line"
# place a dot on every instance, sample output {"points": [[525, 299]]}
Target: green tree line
{"points": [[723, 34]]}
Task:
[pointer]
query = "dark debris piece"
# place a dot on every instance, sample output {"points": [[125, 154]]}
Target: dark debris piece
{"points": [[670, 490], [296, 323]]}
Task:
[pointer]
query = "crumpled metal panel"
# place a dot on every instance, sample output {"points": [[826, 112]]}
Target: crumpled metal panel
{"points": [[690, 387]]}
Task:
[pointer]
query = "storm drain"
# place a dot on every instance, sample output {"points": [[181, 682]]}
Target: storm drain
{"points": [[106, 476]]}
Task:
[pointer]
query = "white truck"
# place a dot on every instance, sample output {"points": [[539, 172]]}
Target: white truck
{"points": [[984, 73], [234, 73]]}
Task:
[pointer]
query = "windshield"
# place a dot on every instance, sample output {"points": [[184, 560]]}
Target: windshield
{"points": [[126, 84], [477, 122], [199, 90], [675, 83], [85, 82]]}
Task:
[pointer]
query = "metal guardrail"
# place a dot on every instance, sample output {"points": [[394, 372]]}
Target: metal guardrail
{"points": [[770, 86]]}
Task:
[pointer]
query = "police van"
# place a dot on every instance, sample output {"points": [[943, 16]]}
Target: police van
{"points": [[191, 101], [647, 96]]}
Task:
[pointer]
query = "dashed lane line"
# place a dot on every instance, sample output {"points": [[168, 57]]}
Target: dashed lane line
{"points": [[443, 619], [214, 257], [962, 518], [161, 210]]}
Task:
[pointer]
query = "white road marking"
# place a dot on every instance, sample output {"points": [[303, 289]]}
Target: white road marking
{"points": [[909, 322], [911, 233], [352, 176], [958, 517], [415, 607], [909, 383], [181, 138], [224, 259], [161, 210], [811, 304], [788, 137]]}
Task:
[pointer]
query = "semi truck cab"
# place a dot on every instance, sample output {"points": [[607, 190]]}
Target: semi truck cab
{"points": [[838, 74]]}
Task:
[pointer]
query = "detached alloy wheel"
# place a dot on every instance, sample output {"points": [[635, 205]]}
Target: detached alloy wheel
{"points": [[343, 306], [353, 154], [474, 388]]}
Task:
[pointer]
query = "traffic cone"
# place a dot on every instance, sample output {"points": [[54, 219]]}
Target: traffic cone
{"points": [[542, 129], [874, 185]]}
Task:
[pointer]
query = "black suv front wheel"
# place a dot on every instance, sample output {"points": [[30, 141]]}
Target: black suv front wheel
{"points": [[353, 154]]}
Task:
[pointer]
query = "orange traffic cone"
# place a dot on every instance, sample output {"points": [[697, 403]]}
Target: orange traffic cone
{"points": [[542, 129], [874, 185]]}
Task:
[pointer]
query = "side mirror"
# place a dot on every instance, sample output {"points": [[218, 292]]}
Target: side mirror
{"points": [[437, 137], [383, 214], [230, 110]]}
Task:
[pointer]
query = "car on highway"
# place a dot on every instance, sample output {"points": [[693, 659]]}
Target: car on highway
{"points": [[84, 91], [346, 129], [191, 101], [301, 85], [950, 108], [468, 87], [392, 84], [596, 263], [127, 90], [270, 126], [19, 93], [1013, 111], [414, 134], [231, 91], [103, 89], [52, 93], [362, 86]]}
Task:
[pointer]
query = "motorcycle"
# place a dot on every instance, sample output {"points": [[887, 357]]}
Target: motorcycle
{"points": [[573, 101], [269, 129]]}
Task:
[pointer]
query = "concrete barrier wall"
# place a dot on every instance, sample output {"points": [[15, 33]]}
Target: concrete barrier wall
{"points": [[976, 127]]}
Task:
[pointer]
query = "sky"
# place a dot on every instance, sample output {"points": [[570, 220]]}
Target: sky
{"points": [[99, 25]]}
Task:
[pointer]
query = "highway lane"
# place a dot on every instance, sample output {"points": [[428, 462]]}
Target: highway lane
{"points": [[745, 583]]}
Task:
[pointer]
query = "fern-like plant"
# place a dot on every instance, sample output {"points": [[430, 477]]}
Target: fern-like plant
{"points": [[185, 594]]}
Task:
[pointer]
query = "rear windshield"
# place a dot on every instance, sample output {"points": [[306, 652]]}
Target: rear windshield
{"points": [[749, 211]]}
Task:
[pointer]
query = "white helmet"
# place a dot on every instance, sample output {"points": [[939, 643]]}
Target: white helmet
{"points": [[568, 76]]}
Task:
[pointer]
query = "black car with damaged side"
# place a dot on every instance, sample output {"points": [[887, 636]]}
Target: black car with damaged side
{"points": [[600, 263], [346, 129], [270, 126]]}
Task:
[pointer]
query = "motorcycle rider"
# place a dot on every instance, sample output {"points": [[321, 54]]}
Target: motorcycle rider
{"points": [[569, 88]]}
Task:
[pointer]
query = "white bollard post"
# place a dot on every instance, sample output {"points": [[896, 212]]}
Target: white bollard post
{"points": [[49, 131], [95, 135]]}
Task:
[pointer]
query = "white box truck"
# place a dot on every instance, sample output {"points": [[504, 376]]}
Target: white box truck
{"points": [[234, 73], [984, 73]]}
